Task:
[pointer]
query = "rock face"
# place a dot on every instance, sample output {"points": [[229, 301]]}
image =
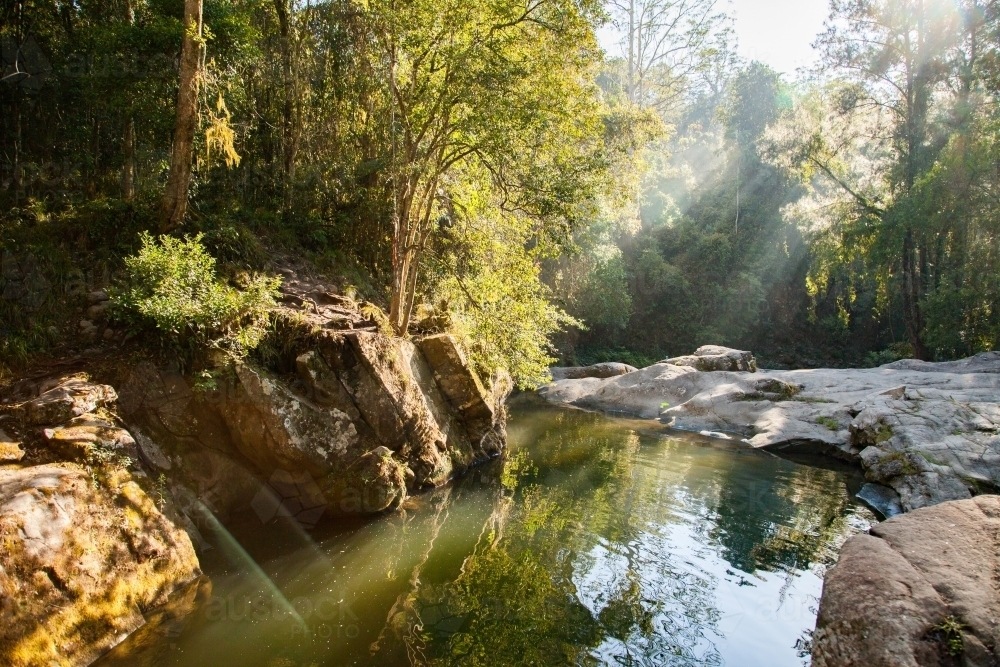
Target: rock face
{"points": [[605, 370], [919, 590], [81, 563], [67, 400], [10, 449], [931, 432], [711, 358], [368, 417]]}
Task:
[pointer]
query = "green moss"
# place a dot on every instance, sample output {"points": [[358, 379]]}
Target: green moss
{"points": [[828, 422]]}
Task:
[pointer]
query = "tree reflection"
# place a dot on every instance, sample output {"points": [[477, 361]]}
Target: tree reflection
{"points": [[579, 562]]}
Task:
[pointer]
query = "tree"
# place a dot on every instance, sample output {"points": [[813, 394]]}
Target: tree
{"points": [[501, 86], [175, 195], [896, 52], [665, 42]]}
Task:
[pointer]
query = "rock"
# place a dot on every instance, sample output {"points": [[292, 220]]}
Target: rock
{"points": [[97, 296], [605, 370], [109, 334], [10, 450], [379, 483], [920, 590], [881, 498], [88, 436], [711, 358], [98, 311], [70, 399], [930, 436], [420, 407], [464, 390], [80, 564]]}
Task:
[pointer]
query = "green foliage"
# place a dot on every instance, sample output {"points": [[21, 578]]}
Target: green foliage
{"points": [[172, 286], [498, 303], [828, 422], [951, 630]]}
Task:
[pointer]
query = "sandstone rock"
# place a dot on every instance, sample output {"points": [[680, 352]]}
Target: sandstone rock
{"points": [[605, 370], [178, 427], [70, 399], [711, 358], [89, 436], [80, 564], [460, 383], [887, 600], [278, 430], [930, 436], [356, 392], [10, 450], [378, 483]]}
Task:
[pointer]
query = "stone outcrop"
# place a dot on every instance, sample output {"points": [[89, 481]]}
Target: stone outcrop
{"points": [[931, 432], [80, 563], [605, 370], [10, 449], [368, 417], [919, 590], [712, 358], [69, 399]]}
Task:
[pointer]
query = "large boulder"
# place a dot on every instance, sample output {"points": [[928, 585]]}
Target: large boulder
{"points": [[72, 398], [605, 370], [931, 434], [712, 358], [920, 590], [81, 562], [367, 417]]}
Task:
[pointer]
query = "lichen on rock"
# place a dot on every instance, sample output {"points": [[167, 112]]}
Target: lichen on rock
{"points": [[81, 563]]}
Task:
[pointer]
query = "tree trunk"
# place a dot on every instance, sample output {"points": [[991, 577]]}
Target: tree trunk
{"points": [[128, 169], [911, 299], [289, 121], [175, 197], [128, 166]]}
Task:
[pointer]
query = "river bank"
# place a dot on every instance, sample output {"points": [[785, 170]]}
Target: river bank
{"points": [[928, 431]]}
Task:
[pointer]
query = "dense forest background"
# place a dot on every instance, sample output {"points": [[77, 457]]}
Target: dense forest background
{"points": [[488, 168]]}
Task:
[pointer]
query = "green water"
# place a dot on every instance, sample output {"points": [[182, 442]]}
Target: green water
{"points": [[594, 541]]}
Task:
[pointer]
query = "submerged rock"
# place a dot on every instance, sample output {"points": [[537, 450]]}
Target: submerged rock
{"points": [[81, 563], [931, 434], [919, 590], [882, 498]]}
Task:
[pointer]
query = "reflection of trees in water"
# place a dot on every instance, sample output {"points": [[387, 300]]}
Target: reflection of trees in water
{"points": [[784, 517], [576, 563]]}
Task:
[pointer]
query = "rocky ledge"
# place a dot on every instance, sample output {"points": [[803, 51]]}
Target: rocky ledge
{"points": [[90, 543], [920, 589], [929, 431], [106, 486]]}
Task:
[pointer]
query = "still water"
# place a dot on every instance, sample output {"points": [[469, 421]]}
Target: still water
{"points": [[594, 541]]}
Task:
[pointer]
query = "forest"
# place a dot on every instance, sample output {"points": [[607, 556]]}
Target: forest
{"points": [[494, 169]]}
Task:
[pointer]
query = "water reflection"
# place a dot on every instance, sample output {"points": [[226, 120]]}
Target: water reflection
{"points": [[591, 543]]}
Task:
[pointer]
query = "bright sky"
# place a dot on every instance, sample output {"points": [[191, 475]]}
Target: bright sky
{"points": [[776, 32], [779, 32]]}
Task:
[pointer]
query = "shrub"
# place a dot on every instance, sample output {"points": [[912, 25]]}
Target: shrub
{"points": [[172, 285]]}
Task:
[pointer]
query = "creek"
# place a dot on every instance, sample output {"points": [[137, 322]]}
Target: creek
{"points": [[594, 540]]}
